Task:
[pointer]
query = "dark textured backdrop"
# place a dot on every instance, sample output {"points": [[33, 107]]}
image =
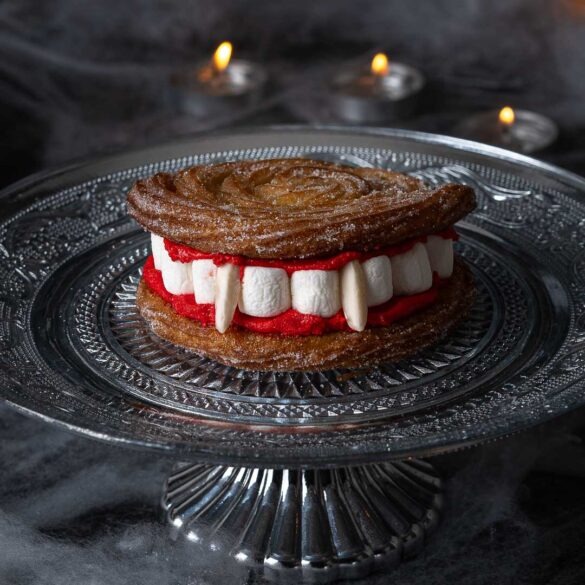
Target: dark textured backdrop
{"points": [[78, 77], [81, 77]]}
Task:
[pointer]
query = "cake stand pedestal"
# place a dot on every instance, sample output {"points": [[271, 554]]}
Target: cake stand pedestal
{"points": [[293, 479], [306, 525]]}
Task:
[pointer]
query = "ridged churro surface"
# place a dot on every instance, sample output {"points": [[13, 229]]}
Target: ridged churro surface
{"points": [[293, 208]]}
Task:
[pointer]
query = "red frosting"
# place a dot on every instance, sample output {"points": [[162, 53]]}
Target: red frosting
{"points": [[182, 253], [290, 322]]}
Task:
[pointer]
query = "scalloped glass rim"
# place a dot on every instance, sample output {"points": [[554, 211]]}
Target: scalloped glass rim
{"points": [[552, 383]]}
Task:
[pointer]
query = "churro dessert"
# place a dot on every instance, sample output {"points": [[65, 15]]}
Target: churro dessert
{"points": [[297, 264]]}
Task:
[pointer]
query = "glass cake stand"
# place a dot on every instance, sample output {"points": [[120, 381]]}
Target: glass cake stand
{"points": [[307, 476]]}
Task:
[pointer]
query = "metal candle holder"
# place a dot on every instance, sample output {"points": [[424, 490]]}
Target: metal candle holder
{"points": [[359, 96], [530, 132], [203, 91]]}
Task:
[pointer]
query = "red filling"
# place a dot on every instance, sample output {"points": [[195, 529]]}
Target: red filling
{"points": [[182, 253], [290, 322]]}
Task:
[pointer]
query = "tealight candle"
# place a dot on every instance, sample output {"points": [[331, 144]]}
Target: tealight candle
{"points": [[381, 93], [518, 130], [219, 84]]}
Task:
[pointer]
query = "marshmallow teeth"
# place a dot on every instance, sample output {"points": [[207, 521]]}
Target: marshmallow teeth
{"points": [[315, 292], [204, 273], [176, 275], [378, 275], [227, 291], [440, 251], [157, 245], [265, 292], [411, 271], [353, 295]]}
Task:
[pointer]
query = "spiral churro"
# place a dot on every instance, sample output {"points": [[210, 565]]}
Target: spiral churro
{"points": [[298, 264]]}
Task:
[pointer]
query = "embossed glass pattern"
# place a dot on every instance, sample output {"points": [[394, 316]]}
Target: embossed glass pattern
{"points": [[74, 350]]}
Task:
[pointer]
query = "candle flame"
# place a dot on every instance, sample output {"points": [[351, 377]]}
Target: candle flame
{"points": [[507, 116], [380, 65], [222, 56]]}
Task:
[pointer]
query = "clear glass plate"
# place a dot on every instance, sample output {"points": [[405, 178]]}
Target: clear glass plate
{"points": [[75, 351]]}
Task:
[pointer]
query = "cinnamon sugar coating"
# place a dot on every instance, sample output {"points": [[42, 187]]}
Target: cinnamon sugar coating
{"points": [[293, 208], [253, 351]]}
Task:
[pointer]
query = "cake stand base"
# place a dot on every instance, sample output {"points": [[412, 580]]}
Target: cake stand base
{"points": [[306, 526]]}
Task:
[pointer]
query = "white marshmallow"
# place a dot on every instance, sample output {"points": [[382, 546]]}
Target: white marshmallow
{"points": [[440, 251], [411, 271], [227, 292], [315, 292], [176, 276], [157, 245], [265, 291], [378, 273], [353, 295], [203, 274]]}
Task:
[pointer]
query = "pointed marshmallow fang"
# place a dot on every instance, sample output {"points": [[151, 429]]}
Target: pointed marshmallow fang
{"points": [[353, 295], [227, 291]]}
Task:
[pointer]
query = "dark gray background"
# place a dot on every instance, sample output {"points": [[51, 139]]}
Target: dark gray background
{"points": [[79, 78]]}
